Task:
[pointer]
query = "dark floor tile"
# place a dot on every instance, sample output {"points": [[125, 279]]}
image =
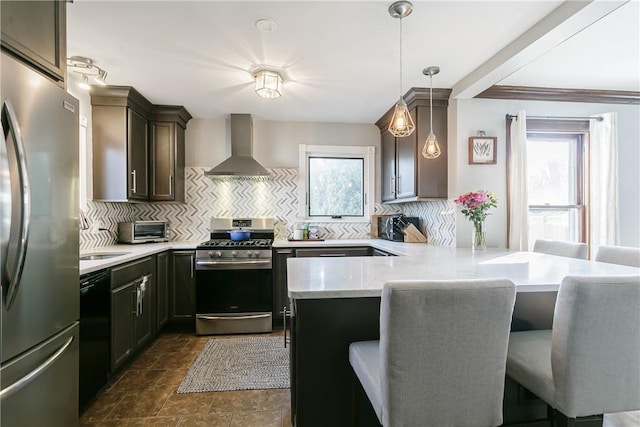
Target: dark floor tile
{"points": [[187, 404], [176, 360], [153, 422], [208, 420], [172, 378], [166, 346], [235, 401], [136, 380], [145, 361], [274, 399], [100, 407], [140, 404], [257, 419]]}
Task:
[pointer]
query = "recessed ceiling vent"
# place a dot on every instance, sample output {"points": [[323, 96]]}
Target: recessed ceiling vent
{"points": [[241, 165]]}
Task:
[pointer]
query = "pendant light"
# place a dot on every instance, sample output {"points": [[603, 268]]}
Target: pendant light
{"points": [[401, 122], [431, 149]]}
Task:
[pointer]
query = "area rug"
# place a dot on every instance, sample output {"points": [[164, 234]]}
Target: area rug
{"points": [[249, 363]]}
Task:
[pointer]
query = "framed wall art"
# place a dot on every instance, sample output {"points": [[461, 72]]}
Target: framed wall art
{"points": [[483, 150]]}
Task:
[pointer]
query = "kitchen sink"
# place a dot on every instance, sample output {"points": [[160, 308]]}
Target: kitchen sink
{"points": [[98, 256]]}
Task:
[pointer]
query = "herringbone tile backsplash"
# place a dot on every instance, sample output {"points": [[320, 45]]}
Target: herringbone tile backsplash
{"points": [[277, 198]]}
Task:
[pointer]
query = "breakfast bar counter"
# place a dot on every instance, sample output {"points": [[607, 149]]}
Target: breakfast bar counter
{"points": [[336, 301]]}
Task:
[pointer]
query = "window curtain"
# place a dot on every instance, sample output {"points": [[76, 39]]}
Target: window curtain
{"points": [[518, 188], [603, 198]]}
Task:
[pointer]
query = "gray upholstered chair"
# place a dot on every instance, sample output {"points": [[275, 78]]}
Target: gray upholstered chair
{"points": [[441, 356], [589, 363], [560, 248], [619, 255]]}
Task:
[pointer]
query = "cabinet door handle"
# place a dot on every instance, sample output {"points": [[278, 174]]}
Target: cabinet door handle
{"points": [[399, 184], [192, 264], [393, 185], [133, 181], [170, 185], [285, 313]]}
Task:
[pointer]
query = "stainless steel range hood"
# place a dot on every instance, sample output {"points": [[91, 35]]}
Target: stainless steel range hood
{"points": [[241, 164]]}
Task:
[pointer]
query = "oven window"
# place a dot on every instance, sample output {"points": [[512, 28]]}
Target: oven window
{"points": [[233, 291]]}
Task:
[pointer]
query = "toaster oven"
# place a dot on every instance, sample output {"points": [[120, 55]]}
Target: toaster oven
{"points": [[142, 231]]}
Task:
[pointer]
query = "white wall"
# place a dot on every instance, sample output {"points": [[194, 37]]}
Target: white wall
{"points": [[467, 116], [275, 144]]}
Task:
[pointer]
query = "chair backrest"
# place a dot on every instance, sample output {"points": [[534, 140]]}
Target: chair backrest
{"points": [[560, 248], [443, 347], [595, 345], [619, 255]]}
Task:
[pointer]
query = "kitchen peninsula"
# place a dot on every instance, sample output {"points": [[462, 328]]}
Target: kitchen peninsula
{"points": [[336, 301]]}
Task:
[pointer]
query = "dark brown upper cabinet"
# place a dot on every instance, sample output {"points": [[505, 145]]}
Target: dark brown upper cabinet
{"points": [[120, 125], [406, 175], [36, 33], [167, 153], [138, 147]]}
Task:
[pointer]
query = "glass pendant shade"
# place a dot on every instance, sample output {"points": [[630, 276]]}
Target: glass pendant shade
{"points": [[268, 84], [401, 122], [431, 149]]}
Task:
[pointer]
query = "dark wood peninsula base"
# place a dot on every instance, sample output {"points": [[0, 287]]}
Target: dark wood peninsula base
{"points": [[322, 380]]}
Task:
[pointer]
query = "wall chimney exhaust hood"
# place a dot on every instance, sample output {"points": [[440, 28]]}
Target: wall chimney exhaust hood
{"points": [[241, 165]]}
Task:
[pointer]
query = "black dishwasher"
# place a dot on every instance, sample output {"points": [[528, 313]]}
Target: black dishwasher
{"points": [[95, 333]]}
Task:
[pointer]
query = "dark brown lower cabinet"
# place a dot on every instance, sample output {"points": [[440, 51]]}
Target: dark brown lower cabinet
{"points": [[182, 295], [133, 308], [321, 376]]}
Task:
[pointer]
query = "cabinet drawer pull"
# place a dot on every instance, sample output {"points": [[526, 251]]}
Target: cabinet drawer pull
{"points": [[133, 181]]}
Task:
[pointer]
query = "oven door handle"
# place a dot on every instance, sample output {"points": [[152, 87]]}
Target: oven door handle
{"points": [[255, 316], [207, 263]]}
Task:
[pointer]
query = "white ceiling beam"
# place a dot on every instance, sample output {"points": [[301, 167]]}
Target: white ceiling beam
{"points": [[562, 23]]}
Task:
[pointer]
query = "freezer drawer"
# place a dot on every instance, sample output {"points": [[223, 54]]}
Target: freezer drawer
{"points": [[50, 398]]}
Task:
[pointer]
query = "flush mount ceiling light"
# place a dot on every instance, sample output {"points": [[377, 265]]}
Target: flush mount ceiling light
{"points": [[88, 71], [268, 83], [401, 122], [431, 149]]}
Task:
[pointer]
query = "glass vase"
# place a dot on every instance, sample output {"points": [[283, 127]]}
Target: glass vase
{"points": [[479, 242]]}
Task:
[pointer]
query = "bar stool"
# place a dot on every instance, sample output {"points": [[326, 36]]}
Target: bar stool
{"points": [[561, 248], [589, 362], [619, 255], [440, 360]]}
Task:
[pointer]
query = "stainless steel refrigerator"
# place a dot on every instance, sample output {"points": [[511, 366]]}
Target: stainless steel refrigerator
{"points": [[39, 231]]}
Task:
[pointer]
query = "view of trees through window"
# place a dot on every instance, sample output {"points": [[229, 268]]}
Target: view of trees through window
{"points": [[336, 186]]}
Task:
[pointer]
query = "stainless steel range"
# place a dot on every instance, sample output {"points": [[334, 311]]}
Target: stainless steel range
{"points": [[234, 281]]}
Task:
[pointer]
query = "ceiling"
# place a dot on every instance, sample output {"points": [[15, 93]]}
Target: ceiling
{"points": [[340, 59]]}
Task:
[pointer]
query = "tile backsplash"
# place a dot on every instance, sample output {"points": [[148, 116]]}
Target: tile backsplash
{"points": [[276, 198]]}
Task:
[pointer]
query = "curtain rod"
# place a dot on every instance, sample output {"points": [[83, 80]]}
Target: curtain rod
{"points": [[598, 118]]}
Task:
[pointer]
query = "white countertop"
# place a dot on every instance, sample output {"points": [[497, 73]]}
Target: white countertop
{"points": [[133, 252], [309, 278]]}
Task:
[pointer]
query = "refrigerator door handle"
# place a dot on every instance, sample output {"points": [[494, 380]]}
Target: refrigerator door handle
{"points": [[8, 391], [11, 284]]}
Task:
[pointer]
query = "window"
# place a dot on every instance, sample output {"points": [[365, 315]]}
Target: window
{"points": [[335, 182], [557, 178], [556, 190]]}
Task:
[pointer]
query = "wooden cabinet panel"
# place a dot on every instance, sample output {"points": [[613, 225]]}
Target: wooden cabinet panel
{"points": [[162, 289], [35, 31], [122, 303], [163, 160], [137, 148], [182, 294], [432, 179], [406, 159], [388, 166]]}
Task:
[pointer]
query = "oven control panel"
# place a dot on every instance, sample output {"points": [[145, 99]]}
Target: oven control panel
{"points": [[233, 254]]}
